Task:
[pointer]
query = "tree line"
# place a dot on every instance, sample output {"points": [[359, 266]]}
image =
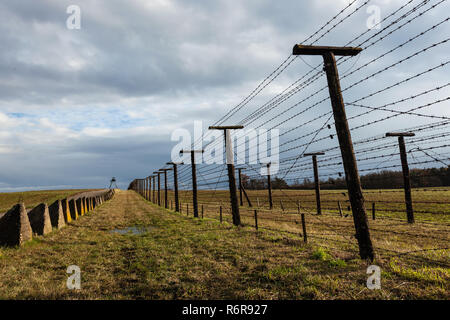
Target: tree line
{"points": [[431, 177]]}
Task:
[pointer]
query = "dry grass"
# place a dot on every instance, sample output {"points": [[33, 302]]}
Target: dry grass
{"points": [[33, 198], [180, 257]]}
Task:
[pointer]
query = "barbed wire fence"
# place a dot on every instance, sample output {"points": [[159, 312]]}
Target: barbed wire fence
{"points": [[401, 52]]}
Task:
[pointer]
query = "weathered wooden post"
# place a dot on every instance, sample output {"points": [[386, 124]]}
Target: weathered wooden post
{"points": [[247, 197], [220, 211], [256, 219], [345, 141], [242, 189], [149, 186], [166, 199], [240, 186], [405, 169], [175, 183], [230, 166], [145, 188], [159, 186], [269, 185], [154, 189], [340, 209], [316, 178], [194, 179], [149, 195], [305, 236]]}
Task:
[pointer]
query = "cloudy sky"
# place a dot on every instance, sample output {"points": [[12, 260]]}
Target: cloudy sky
{"points": [[80, 106]]}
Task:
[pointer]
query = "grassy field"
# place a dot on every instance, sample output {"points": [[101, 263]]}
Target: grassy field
{"points": [[430, 204], [33, 198], [175, 256]]}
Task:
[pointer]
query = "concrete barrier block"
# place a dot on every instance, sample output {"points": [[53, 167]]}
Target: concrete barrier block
{"points": [[66, 210], [79, 203], [40, 219], [57, 214], [15, 228], [85, 205], [73, 209]]}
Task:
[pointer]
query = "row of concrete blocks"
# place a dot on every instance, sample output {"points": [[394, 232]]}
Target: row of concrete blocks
{"points": [[17, 226]]}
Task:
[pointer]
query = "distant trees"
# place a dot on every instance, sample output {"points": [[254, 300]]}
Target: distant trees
{"points": [[255, 184], [279, 183], [432, 177]]}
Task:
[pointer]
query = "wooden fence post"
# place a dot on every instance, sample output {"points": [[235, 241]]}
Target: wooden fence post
{"points": [[356, 196], [316, 179], [175, 184], [194, 179], [159, 187], [269, 186], [241, 201], [405, 170], [305, 236], [256, 219]]}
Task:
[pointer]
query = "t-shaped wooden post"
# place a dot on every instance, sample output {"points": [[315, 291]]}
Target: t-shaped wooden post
{"points": [[194, 179], [230, 166], [269, 185], [159, 186], [405, 169], [345, 140], [149, 188], [154, 189], [166, 202], [175, 182], [316, 178]]}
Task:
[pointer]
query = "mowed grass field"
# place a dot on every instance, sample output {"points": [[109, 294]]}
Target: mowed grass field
{"points": [[176, 256], [33, 198]]}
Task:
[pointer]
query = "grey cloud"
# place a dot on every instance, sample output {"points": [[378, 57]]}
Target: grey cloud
{"points": [[168, 65]]}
